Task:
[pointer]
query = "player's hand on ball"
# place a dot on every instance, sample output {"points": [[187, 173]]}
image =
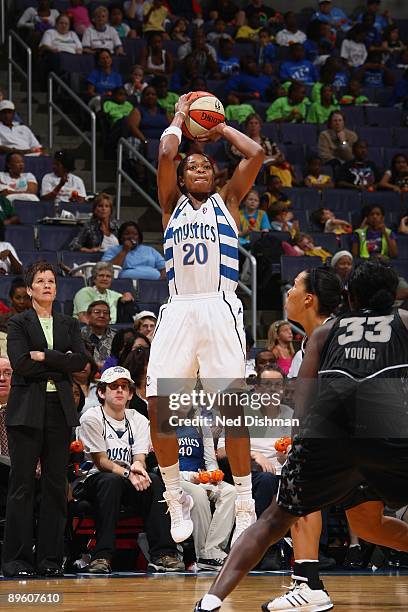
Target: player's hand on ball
{"points": [[214, 134], [183, 103]]}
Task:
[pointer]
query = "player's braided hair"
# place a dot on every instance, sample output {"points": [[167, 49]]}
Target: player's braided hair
{"points": [[373, 285]]}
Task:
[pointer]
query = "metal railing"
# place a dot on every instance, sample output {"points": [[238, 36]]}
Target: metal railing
{"points": [[53, 106], [2, 22], [250, 291], [122, 174], [27, 73]]}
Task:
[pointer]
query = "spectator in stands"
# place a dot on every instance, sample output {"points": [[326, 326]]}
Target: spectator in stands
{"points": [[391, 43], [373, 73], [165, 98], [79, 16], [342, 264], [136, 362], [116, 21], [37, 20], [325, 221], [353, 95], [150, 119], [61, 185], [265, 51], [101, 35], [327, 77], [353, 49], [19, 301], [264, 358], [15, 138], [200, 55], [252, 219], [111, 480], [131, 344], [218, 33], [136, 83], [305, 245], [134, 12], [9, 260], [274, 193], [253, 128], [297, 68], [103, 80], [223, 9], [399, 96], [227, 62], [335, 144], [360, 172], [328, 13], [380, 21], [211, 531], [403, 225], [317, 32], [249, 32], [41, 379], [319, 112], [373, 238], [290, 34], [178, 31], [234, 111], [99, 233], [97, 332], [314, 178], [124, 337], [84, 385], [138, 261], [266, 14], [291, 108], [280, 342], [102, 277], [372, 36], [62, 39], [249, 83], [396, 178], [281, 219], [154, 16], [154, 58], [145, 323], [16, 184], [122, 116]]}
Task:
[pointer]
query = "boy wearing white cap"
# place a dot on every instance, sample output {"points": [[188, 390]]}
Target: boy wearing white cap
{"points": [[117, 440]]}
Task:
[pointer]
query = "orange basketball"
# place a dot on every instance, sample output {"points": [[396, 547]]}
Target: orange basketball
{"points": [[206, 111]]}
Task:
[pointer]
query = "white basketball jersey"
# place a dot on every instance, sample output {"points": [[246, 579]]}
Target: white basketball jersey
{"points": [[201, 248]]}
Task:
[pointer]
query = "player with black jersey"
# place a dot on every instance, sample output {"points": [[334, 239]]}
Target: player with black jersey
{"points": [[353, 412]]}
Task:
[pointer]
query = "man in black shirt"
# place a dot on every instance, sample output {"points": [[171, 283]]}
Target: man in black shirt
{"points": [[359, 173]]}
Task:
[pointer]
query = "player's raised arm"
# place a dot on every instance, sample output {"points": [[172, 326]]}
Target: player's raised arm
{"points": [[168, 190], [247, 170]]}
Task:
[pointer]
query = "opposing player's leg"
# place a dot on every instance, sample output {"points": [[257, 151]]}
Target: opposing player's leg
{"points": [[221, 356], [369, 523], [271, 526]]}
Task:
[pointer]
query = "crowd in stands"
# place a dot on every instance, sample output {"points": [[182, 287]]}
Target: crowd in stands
{"points": [[326, 96]]}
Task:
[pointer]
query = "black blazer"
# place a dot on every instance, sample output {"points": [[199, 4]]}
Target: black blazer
{"points": [[26, 403]]}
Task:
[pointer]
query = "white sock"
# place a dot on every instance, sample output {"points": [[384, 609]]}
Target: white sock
{"points": [[210, 602], [243, 487], [307, 560], [354, 546], [171, 478]]}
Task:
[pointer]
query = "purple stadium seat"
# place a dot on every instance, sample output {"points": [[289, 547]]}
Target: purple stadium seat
{"points": [[122, 285], [242, 49], [260, 107], [390, 117], [354, 116], [401, 137], [67, 287], [382, 95], [36, 165], [304, 134], [216, 88], [133, 48], [376, 154], [389, 154], [388, 199], [403, 248], [154, 293], [31, 212], [29, 257], [77, 64], [270, 130], [5, 284], [294, 153], [292, 266], [303, 198], [54, 238], [376, 136], [401, 266], [20, 236], [71, 258], [327, 241], [342, 199]]}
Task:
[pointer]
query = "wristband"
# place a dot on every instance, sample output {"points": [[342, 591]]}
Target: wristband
{"points": [[172, 130], [180, 113]]}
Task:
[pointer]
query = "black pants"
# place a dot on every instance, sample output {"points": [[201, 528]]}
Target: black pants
{"points": [[107, 492], [26, 445]]}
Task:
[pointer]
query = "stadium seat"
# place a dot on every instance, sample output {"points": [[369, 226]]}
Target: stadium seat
{"points": [[76, 258], [122, 285], [376, 154], [133, 48], [403, 248], [299, 134], [292, 266], [342, 199], [54, 238], [401, 138], [401, 266], [32, 212], [294, 153], [216, 88], [29, 257], [20, 236], [388, 199], [5, 284], [376, 136], [36, 165], [354, 115], [304, 198], [327, 241], [270, 130], [152, 294], [260, 107], [383, 116]]}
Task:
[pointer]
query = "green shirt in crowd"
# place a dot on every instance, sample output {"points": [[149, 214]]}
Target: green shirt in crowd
{"points": [[318, 113], [87, 295], [117, 111], [346, 100], [7, 210], [238, 112], [47, 324], [169, 102], [280, 109]]}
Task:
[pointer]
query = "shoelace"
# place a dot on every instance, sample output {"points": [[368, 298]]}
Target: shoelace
{"points": [[174, 506]]}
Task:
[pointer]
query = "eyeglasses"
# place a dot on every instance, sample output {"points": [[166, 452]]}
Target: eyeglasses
{"points": [[103, 313], [115, 386]]}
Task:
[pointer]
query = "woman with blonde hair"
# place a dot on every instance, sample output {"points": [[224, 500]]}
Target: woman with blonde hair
{"points": [[280, 343], [99, 233]]}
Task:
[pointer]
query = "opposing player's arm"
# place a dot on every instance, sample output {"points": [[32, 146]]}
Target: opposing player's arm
{"points": [[306, 384], [168, 190]]}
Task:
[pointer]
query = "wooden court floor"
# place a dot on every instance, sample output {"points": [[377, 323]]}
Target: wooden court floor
{"points": [[158, 593]]}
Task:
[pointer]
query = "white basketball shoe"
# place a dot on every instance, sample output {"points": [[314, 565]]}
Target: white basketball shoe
{"points": [[179, 506], [245, 516], [300, 597]]}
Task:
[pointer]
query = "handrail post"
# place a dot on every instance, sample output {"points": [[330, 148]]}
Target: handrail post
{"points": [[30, 85], [253, 296], [119, 180], [50, 112], [3, 22], [93, 152], [10, 67]]}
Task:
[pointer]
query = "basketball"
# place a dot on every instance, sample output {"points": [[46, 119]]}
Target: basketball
{"points": [[205, 112]]}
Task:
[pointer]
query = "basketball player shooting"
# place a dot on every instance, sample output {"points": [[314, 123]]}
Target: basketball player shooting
{"points": [[200, 329], [351, 402]]}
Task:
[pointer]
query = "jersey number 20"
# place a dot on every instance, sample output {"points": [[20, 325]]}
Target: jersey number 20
{"points": [[356, 331], [195, 253]]}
